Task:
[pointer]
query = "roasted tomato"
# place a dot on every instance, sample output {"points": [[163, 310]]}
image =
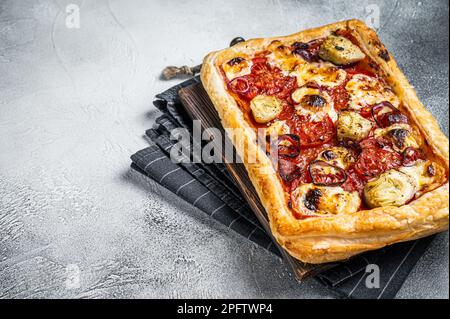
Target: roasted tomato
{"points": [[239, 85], [377, 156], [312, 198], [315, 133], [243, 86], [353, 182], [324, 174], [366, 112], [340, 97], [260, 67], [287, 85], [263, 80]]}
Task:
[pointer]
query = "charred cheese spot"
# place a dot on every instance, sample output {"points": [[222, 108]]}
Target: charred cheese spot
{"points": [[300, 93], [392, 188], [352, 126], [321, 73], [265, 108], [337, 156], [282, 57], [312, 199], [309, 199], [236, 67], [364, 90], [340, 51], [313, 102], [400, 134]]}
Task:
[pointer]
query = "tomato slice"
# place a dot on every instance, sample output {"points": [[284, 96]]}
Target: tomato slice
{"points": [[239, 85], [260, 66], [366, 112], [315, 133], [357, 68], [263, 79], [340, 97], [287, 85], [385, 114], [257, 60], [325, 174], [353, 182], [376, 157]]}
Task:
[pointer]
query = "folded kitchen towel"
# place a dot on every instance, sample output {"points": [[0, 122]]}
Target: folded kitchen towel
{"points": [[210, 188]]}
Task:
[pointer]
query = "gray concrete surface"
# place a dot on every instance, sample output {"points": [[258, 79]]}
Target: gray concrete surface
{"points": [[74, 104]]}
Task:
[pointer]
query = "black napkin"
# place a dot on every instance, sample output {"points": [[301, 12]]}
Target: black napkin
{"points": [[210, 188]]}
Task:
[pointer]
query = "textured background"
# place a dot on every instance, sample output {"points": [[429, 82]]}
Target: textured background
{"points": [[74, 104]]}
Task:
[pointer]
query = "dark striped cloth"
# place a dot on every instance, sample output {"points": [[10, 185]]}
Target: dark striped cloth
{"points": [[210, 188]]}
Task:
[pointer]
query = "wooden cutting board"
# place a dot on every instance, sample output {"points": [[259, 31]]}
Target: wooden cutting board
{"points": [[199, 107]]}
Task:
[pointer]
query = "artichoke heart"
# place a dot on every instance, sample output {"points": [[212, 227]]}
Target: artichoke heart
{"points": [[340, 51], [352, 126], [392, 188], [265, 108]]}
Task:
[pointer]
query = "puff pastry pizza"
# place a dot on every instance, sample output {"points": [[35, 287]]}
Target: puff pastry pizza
{"points": [[360, 163]]}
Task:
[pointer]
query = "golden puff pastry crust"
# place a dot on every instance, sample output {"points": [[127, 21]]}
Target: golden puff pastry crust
{"points": [[336, 237]]}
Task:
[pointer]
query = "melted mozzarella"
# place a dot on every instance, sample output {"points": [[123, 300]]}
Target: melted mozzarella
{"points": [[285, 60], [237, 70], [321, 73], [316, 114], [332, 200], [420, 174], [365, 90]]}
